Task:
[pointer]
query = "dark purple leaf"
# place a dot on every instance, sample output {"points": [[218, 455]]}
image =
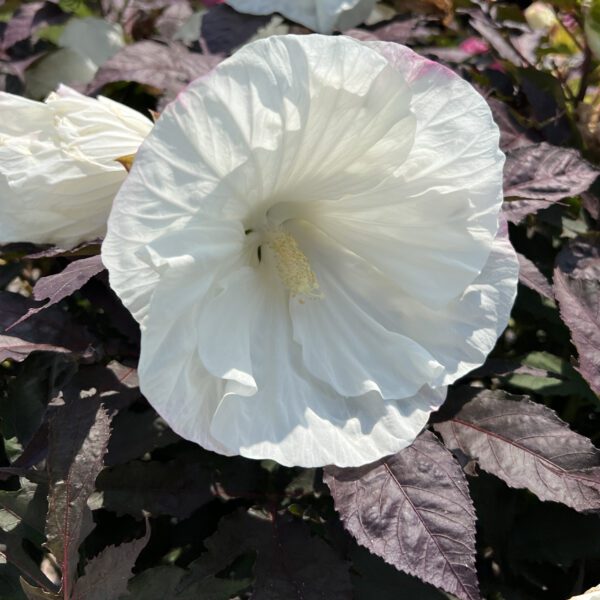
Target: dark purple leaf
{"points": [[117, 385], [290, 562], [546, 172], [523, 443], [167, 68], [106, 575], [577, 289], [223, 29], [52, 330], [533, 278], [591, 203], [512, 134], [55, 288], [404, 31], [27, 19], [547, 104], [135, 433], [175, 488], [543, 174], [78, 439], [413, 510]]}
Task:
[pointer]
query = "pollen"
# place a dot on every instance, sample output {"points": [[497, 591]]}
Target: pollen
{"points": [[293, 266]]}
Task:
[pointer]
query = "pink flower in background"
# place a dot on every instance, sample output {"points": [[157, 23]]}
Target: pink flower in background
{"points": [[474, 45]]}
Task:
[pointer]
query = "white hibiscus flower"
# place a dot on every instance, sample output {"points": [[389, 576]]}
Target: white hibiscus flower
{"points": [[323, 16], [308, 239], [58, 168]]}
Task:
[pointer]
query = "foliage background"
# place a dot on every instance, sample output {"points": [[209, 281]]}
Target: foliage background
{"points": [[99, 499]]}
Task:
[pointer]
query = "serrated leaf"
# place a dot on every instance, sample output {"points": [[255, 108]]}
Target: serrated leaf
{"points": [[533, 278], [78, 439], [106, 575], [51, 331], [55, 288], [543, 174], [413, 510], [577, 288], [523, 443]]}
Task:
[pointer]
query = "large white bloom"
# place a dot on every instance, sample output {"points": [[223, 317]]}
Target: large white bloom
{"points": [[58, 168], [308, 239], [323, 16]]}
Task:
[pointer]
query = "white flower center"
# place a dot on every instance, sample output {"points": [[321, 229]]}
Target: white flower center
{"points": [[293, 265]]}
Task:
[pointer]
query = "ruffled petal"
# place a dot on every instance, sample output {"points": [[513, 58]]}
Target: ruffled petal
{"points": [[51, 190], [342, 341], [437, 216], [297, 420], [99, 129]]}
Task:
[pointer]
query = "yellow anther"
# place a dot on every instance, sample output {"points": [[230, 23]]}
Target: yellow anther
{"points": [[293, 266]]}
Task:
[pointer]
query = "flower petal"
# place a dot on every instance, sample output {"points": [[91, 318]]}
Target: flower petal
{"points": [[437, 215], [283, 117], [51, 189], [342, 341]]}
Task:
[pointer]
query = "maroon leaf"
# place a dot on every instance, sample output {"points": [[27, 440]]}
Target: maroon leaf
{"points": [[79, 433], [577, 288], [55, 288], [168, 68], [413, 509], [50, 331], [544, 173], [525, 444], [533, 278], [106, 575], [223, 29]]}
